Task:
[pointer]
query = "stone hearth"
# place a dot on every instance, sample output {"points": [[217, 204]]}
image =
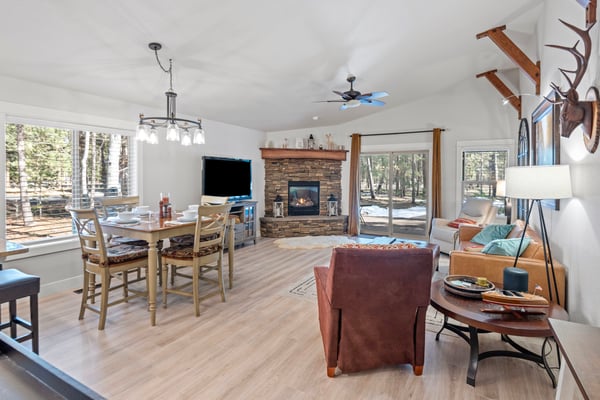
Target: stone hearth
{"points": [[283, 165]]}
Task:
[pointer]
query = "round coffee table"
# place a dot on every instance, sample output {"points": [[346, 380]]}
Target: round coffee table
{"points": [[469, 312]]}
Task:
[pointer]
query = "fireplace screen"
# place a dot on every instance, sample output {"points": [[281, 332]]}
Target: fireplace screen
{"points": [[303, 198]]}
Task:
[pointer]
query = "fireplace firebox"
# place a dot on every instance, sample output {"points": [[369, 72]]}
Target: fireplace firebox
{"points": [[303, 197]]}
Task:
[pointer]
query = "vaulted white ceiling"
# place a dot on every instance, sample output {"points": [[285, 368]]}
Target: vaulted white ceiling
{"points": [[261, 64]]}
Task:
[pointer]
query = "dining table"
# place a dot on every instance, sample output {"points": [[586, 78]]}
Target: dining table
{"points": [[9, 248], [153, 229]]}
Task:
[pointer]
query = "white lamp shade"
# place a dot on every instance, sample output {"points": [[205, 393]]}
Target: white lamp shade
{"points": [[539, 182]]}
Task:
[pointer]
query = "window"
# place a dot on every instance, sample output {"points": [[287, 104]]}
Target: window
{"points": [[49, 167], [481, 169]]}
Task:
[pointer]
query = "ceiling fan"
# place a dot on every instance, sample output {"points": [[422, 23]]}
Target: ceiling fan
{"points": [[353, 98]]}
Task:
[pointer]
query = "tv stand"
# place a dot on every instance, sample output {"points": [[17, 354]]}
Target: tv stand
{"points": [[245, 226]]}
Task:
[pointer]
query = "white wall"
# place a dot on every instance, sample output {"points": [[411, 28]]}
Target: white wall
{"points": [[575, 229], [166, 167]]}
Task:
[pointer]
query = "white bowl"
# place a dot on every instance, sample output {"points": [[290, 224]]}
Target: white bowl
{"points": [[193, 207], [189, 214], [141, 209], [126, 216]]}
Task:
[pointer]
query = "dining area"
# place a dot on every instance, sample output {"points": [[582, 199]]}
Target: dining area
{"points": [[124, 242]]}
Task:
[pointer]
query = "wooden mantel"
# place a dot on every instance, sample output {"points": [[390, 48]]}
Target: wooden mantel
{"points": [[278, 153]]}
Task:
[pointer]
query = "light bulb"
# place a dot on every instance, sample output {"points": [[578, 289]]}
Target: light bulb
{"points": [[199, 137], [186, 138], [172, 132], [153, 136], [141, 133]]}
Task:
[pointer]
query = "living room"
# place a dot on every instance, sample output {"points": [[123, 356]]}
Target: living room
{"points": [[470, 110]]}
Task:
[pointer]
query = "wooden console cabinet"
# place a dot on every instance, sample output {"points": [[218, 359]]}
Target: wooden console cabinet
{"points": [[245, 226]]}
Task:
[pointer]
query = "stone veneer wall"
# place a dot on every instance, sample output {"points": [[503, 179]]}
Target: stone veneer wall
{"points": [[279, 171]]}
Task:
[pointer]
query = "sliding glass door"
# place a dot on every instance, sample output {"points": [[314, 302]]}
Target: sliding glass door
{"points": [[393, 194]]}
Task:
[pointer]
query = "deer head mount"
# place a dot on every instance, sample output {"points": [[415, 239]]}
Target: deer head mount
{"points": [[572, 111]]}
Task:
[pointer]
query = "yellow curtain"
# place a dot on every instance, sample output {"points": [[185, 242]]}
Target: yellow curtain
{"points": [[354, 199], [436, 175]]}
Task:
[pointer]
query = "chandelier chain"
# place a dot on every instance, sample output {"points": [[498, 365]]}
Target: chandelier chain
{"points": [[168, 71]]}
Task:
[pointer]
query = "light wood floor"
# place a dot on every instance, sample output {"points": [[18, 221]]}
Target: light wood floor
{"points": [[261, 344]]}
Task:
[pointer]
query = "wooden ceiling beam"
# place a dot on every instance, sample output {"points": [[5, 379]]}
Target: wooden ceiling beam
{"points": [[512, 98], [590, 11], [512, 51]]}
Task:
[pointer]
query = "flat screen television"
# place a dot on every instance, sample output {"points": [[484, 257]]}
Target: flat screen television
{"points": [[231, 177]]}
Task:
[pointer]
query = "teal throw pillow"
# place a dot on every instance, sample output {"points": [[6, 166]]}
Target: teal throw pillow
{"points": [[492, 232], [505, 247]]}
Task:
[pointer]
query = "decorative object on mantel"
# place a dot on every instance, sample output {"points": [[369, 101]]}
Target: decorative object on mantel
{"points": [[536, 183], [572, 111], [332, 206], [512, 51], [176, 128], [311, 142], [278, 207]]}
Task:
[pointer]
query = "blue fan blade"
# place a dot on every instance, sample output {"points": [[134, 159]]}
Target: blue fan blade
{"points": [[374, 95], [370, 102]]}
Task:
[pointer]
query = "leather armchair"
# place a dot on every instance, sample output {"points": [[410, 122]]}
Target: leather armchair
{"points": [[372, 304]]}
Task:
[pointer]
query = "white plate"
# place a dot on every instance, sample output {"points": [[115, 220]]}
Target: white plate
{"points": [[183, 219], [131, 221]]}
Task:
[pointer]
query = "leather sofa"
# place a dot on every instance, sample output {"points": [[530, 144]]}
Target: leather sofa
{"points": [[467, 259]]}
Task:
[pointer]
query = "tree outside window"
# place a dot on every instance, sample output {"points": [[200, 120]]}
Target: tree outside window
{"points": [[480, 172], [48, 168]]}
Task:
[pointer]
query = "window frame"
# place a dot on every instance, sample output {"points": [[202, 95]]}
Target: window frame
{"points": [[66, 242], [507, 145]]}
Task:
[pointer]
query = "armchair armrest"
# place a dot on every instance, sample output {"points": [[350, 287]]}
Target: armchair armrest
{"points": [[467, 231]]}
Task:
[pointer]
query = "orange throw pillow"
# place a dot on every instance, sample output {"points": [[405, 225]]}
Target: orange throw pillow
{"points": [[457, 221]]}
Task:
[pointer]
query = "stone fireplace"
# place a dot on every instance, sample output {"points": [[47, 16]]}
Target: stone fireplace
{"points": [[303, 197], [312, 175]]}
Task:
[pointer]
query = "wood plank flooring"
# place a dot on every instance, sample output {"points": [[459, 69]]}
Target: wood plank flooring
{"points": [[261, 344]]}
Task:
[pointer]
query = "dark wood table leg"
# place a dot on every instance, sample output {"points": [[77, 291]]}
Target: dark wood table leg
{"points": [[474, 356]]}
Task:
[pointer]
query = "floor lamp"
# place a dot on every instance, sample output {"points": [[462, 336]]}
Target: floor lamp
{"points": [[537, 183]]}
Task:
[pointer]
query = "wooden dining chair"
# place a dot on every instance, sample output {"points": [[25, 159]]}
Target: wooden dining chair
{"points": [[204, 256], [110, 206], [107, 262]]}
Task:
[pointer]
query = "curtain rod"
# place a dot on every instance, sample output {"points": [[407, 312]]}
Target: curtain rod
{"points": [[399, 133]]}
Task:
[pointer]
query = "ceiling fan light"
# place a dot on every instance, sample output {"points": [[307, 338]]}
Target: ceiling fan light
{"points": [[353, 103]]}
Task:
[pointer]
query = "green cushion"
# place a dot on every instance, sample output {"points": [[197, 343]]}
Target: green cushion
{"points": [[492, 232], [506, 247]]}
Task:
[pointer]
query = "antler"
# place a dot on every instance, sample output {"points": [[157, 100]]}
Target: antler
{"points": [[581, 59]]}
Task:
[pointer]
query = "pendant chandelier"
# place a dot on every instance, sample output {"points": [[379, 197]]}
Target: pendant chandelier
{"points": [[177, 129]]}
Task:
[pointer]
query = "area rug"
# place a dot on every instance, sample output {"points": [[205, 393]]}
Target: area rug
{"points": [[313, 242], [305, 289]]}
